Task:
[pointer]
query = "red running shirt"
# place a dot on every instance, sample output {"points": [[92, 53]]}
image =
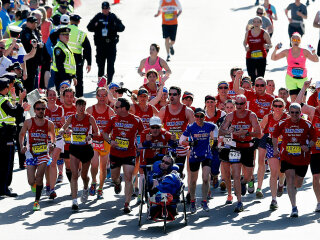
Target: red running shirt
{"points": [[124, 132], [67, 113], [38, 138], [294, 135], [80, 129], [55, 117], [256, 45], [316, 125], [260, 105], [243, 123], [145, 116]]}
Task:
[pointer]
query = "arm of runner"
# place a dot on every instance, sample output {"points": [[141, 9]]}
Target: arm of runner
{"points": [[266, 37], [51, 131], [165, 65], [65, 126], [111, 112], [264, 122], [286, 12], [255, 125], [155, 111], [132, 109], [89, 110], [276, 56], [157, 99], [141, 67], [224, 129], [95, 128], [23, 131], [301, 94], [316, 21], [161, 113], [312, 56], [190, 115], [245, 42], [183, 140], [236, 84]]}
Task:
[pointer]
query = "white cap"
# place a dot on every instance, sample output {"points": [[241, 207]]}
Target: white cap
{"points": [[15, 28], [318, 84], [65, 19], [155, 121]]}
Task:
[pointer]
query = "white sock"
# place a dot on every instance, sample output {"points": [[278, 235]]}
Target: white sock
{"points": [[75, 201]]}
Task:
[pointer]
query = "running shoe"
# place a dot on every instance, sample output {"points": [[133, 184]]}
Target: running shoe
{"points": [[117, 186], [75, 207], [193, 208], [168, 58], [171, 50], [135, 192], [279, 190], [108, 173], [34, 188], [317, 208], [188, 198], [243, 188], [215, 181], [52, 195], [99, 194], [259, 194], [239, 207], [48, 190], [204, 206], [36, 206], [223, 185], [257, 3], [251, 186], [126, 208], [84, 197], [92, 190], [60, 178], [294, 212], [273, 205], [209, 195], [307, 3], [229, 199]]}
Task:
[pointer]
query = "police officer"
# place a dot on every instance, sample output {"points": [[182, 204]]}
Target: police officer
{"points": [[105, 26], [63, 62], [78, 41], [8, 112], [62, 9]]}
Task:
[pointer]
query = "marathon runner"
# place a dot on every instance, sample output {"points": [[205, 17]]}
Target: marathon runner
{"points": [[102, 113], [298, 137], [37, 153], [296, 58]]}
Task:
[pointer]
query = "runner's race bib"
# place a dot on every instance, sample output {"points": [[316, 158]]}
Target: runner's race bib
{"points": [[297, 72], [318, 144], [177, 133], [293, 149], [40, 148], [256, 54], [234, 156], [56, 131], [98, 145], [79, 139], [169, 16], [123, 143]]}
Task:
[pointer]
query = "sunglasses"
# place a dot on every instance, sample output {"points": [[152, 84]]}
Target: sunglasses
{"points": [[155, 127], [15, 48], [223, 88], [2, 48], [199, 116], [259, 13], [173, 94], [118, 107], [292, 112], [260, 85], [295, 40], [241, 103], [278, 106], [166, 163], [40, 109], [102, 95]]}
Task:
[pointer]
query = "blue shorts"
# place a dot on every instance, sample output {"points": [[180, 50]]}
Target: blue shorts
{"points": [[263, 141], [35, 161]]}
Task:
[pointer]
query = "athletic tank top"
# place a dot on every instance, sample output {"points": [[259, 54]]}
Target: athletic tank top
{"points": [[101, 120], [269, 128], [256, 45], [145, 116], [269, 13], [176, 124], [316, 125], [296, 66], [152, 93], [67, 113], [55, 117], [80, 130], [215, 118], [155, 66], [38, 138], [243, 123], [169, 10], [45, 30]]}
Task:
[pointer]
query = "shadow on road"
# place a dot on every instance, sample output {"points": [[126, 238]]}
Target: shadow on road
{"points": [[243, 8]]}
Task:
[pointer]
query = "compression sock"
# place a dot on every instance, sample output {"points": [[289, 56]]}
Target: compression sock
{"points": [[38, 192], [69, 174]]}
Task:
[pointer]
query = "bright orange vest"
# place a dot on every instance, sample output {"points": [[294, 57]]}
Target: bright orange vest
{"points": [[169, 12]]}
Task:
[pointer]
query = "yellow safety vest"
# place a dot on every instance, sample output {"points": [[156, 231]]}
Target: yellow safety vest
{"points": [[69, 61], [76, 39], [4, 118]]}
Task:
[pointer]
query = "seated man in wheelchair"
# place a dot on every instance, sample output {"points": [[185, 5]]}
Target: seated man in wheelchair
{"points": [[164, 184]]}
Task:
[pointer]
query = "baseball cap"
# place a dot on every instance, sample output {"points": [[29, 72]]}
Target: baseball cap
{"points": [[187, 94], [63, 30], [4, 83], [114, 85], [142, 91], [10, 76], [64, 19], [105, 5], [64, 4], [65, 83], [199, 110], [75, 17], [32, 19], [15, 29], [209, 97], [155, 121], [318, 84], [165, 89], [5, 1]]}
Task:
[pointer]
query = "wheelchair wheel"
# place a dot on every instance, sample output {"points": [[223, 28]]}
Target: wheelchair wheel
{"points": [[165, 218], [141, 204]]}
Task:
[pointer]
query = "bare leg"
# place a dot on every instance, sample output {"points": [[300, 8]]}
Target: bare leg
{"points": [[236, 169], [261, 166], [74, 164], [274, 167], [128, 171], [205, 182]]}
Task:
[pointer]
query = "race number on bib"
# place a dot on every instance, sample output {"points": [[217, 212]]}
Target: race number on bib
{"points": [[168, 16], [123, 143], [56, 131], [256, 54], [234, 156], [40, 149], [297, 72], [293, 149], [318, 144], [79, 139]]}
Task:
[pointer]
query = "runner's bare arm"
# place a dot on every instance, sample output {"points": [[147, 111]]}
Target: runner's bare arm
{"points": [[266, 37], [236, 85], [157, 99], [224, 129], [264, 122], [255, 125], [276, 56], [51, 131], [26, 126], [190, 115], [316, 21], [111, 112], [65, 126], [311, 56], [161, 113], [141, 67], [95, 128], [155, 111]]}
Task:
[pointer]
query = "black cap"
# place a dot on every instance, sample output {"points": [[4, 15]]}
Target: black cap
{"points": [[4, 83], [75, 17], [32, 19], [209, 97], [142, 91], [64, 4], [16, 65], [63, 29], [199, 110], [5, 1], [105, 5], [10, 76]]}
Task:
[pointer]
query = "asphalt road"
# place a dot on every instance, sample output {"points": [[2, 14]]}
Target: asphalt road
{"points": [[209, 43]]}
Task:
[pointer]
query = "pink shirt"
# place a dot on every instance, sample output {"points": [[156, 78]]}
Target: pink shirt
{"points": [[296, 66]]}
